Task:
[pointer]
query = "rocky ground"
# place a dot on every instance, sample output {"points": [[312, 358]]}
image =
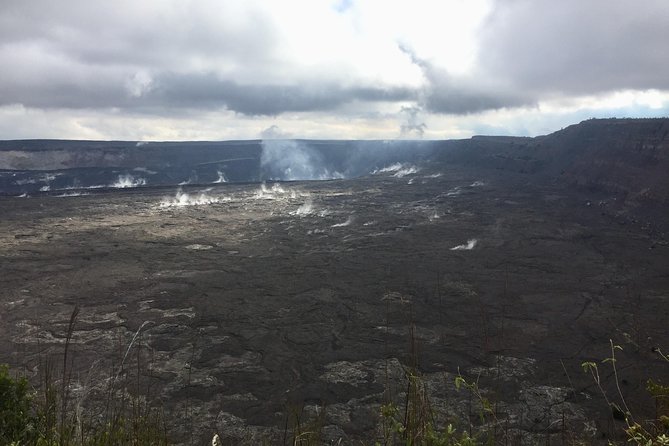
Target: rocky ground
{"points": [[254, 302]]}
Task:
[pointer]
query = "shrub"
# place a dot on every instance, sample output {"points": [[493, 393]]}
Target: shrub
{"points": [[17, 421]]}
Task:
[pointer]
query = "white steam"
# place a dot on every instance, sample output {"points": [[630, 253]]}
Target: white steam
{"points": [[398, 170], [145, 170], [469, 246], [457, 190], [126, 181], [289, 160], [221, 178], [406, 171], [348, 221], [265, 193], [182, 199], [26, 181], [274, 132], [199, 247], [46, 178], [392, 168], [412, 127], [306, 208], [72, 194]]}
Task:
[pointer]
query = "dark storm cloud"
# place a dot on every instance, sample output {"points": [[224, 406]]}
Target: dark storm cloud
{"points": [[575, 47]]}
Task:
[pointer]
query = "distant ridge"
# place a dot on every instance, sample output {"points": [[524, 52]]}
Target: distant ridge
{"points": [[626, 158]]}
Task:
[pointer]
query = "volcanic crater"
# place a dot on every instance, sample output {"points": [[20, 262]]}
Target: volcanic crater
{"points": [[508, 261]]}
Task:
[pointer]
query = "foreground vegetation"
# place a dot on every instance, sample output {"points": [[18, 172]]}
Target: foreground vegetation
{"points": [[49, 415], [29, 417]]}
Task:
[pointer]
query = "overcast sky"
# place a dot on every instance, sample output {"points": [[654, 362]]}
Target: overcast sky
{"points": [[240, 69]]}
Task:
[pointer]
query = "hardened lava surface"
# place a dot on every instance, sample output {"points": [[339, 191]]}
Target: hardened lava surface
{"points": [[249, 303]]}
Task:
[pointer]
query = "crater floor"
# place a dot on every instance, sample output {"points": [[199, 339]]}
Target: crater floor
{"points": [[255, 302]]}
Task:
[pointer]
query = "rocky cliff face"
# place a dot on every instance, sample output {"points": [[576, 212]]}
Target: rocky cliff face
{"points": [[625, 157], [38, 166], [625, 160], [47, 155]]}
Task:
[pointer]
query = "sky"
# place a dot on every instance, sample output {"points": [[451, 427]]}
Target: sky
{"points": [[328, 69]]}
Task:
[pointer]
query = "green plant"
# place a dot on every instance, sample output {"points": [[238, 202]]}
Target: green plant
{"points": [[48, 417], [400, 429], [649, 433], [660, 394], [415, 424], [473, 388], [18, 424], [301, 429]]}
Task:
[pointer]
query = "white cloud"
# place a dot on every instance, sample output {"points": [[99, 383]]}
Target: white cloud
{"points": [[139, 83], [218, 69]]}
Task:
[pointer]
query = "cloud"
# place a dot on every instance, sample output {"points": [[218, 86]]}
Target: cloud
{"points": [[571, 47], [88, 66], [191, 90], [449, 95], [139, 84], [152, 34], [531, 51], [78, 54], [463, 94], [252, 58], [343, 5], [208, 90]]}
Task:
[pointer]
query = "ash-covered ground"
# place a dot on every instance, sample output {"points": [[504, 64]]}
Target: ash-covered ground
{"points": [[260, 301]]}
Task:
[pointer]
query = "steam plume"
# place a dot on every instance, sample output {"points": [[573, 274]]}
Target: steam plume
{"points": [[412, 127], [290, 160], [183, 199], [125, 181], [469, 246]]}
